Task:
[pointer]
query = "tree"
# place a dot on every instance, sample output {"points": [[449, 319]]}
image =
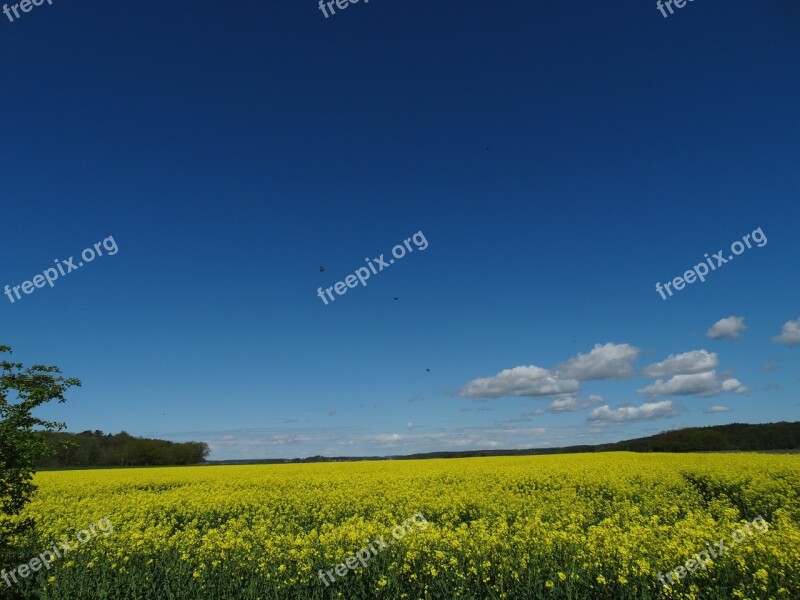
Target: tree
{"points": [[21, 441], [94, 449]]}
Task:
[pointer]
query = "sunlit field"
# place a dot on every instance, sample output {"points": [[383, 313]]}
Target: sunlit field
{"points": [[562, 527]]}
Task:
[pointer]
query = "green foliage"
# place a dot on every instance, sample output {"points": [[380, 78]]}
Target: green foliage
{"points": [[21, 444], [96, 449], [739, 437]]}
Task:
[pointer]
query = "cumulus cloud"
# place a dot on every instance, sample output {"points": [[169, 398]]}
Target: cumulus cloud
{"points": [[696, 361], [729, 328], [704, 385], [645, 412], [529, 381], [733, 385], [717, 409], [573, 404], [790, 334], [609, 361]]}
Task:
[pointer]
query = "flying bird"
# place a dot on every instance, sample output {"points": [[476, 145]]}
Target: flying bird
{"points": [[428, 370], [321, 268]]}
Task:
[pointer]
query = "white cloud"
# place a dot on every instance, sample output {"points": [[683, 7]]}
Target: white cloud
{"points": [[609, 361], [717, 409], [520, 381], [704, 385], [487, 443], [729, 328], [733, 385], [573, 404], [645, 412], [790, 334], [387, 439], [696, 361], [568, 404]]}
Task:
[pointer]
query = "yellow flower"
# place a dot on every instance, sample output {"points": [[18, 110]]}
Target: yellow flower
{"points": [[498, 522]]}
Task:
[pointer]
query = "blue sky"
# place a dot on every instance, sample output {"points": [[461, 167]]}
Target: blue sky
{"points": [[559, 159]]}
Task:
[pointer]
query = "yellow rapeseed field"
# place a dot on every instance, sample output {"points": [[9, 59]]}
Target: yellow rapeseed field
{"points": [[562, 527]]}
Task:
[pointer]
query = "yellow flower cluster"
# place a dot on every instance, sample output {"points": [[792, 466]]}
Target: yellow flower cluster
{"points": [[562, 526]]}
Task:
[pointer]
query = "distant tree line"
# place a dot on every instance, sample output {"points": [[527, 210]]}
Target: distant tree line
{"points": [[96, 449], [737, 437], [734, 437]]}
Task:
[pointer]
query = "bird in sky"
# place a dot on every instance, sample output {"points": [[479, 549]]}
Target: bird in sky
{"points": [[428, 370], [321, 268]]}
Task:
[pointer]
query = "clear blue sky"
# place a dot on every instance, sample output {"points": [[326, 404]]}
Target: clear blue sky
{"points": [[560, 158]]}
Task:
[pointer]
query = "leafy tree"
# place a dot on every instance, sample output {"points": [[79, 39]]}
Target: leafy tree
{"points": [[21, 443], [95, 449]]}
